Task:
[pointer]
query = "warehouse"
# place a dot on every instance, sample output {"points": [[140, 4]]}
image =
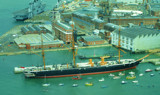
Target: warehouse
{"points": [[34, 29], [34, 41], [137, 38]]}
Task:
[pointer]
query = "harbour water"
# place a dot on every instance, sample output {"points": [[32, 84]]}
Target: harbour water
{"points": [[17, 84]]}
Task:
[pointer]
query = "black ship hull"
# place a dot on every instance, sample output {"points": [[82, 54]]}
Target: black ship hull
{"points": [[83, 71]]}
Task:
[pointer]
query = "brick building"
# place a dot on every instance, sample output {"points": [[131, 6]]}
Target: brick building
{"points": [[63, 31], [145, 20], [92, 40], [87, 23]]}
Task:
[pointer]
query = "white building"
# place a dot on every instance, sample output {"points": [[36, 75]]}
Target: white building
{"points": [[130, 1], [126, 12], [137, 38]]}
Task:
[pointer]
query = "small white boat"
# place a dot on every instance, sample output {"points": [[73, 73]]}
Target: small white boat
{"points": [[135, 81], [157, 69], [116, 77], [74, 85], [46, 84], [124, 82], [101, 79], [89, 77], [148, 70], [140, 74], [111, 75], [132, 73], [61, 84], [121, 74], [151, 74]]}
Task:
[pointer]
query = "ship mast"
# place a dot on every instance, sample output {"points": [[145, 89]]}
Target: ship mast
{"points": [[119, 46], [73, 43], [119, 42], [43, 52]]}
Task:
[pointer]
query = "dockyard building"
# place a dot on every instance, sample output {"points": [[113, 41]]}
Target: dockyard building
{"points": [[34, 41], [63, 31], [34, 29], [140, 20], [111, 27], [154, 9], [82, 22], [87, 23], [157, 25], [137, 38], [128, 1], [92, 40], [99, 23], [104, 34], [108, 29]]}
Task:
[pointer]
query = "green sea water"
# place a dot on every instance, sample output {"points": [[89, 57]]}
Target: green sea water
{"points": [[17, 84]]}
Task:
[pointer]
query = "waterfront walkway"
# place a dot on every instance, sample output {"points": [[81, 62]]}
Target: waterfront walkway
{"points": [[46, 50]]}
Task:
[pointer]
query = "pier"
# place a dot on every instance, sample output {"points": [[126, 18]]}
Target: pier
{"points": [[155, 61], [154, 51]]}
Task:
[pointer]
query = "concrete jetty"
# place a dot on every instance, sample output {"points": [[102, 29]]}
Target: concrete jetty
{"points": [[155, 61]]}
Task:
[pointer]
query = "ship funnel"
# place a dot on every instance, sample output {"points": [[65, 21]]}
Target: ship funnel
{"points": [[91, 63], [102, 61]]}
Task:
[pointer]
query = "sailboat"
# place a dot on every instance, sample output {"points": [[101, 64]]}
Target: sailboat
{"points": [[45, 84], [88, 68]]}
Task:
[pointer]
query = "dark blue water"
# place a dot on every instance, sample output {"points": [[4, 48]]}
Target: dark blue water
{"points": [[16, 84]]}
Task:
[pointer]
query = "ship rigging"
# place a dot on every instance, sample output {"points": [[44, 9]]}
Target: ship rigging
{"points": [[88, 68]]}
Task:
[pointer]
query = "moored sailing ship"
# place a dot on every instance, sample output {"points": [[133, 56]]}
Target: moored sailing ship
{"points": [[89, 68], [81, 69]]}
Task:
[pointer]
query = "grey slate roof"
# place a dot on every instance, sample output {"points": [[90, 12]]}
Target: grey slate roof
{"points": [[92, 38], [25, 29], [31, 28], [112, 26], [133, 32], [37, 28], [98, 20], [63, 25]]}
